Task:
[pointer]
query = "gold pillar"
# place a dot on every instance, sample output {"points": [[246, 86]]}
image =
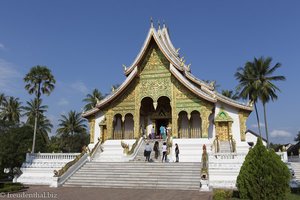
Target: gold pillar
{"points": [[205, 111], [174, 113], [109, 124], [102, 137], [92, 129], [243, 116]]}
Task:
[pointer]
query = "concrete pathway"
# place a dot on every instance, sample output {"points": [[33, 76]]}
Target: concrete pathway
{"points": [[73, 193]]}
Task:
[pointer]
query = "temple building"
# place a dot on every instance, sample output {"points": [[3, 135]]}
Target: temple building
{"points": [[160, 90]]}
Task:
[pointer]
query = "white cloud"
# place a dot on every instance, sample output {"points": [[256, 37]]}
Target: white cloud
{"points": [[9, 76], [2, 46], [80, 86], [63, 102], [256, 126], [280, 133]]}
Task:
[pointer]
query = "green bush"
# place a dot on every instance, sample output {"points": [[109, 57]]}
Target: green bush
{"points": [[220, 194], [263, 175]]}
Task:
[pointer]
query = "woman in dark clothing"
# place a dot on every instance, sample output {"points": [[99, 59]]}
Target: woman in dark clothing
{"points": [[177, 152], [156, 149]]}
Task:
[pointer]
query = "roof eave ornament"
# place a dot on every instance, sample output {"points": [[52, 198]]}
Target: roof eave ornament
{"points": [[188, 67], [124, 67], [151, 22]]}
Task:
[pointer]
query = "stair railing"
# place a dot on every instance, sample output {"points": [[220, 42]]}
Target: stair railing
{"points": [[96, 147], [62, 175], [131, 153], [216, 144], [232, 144]]}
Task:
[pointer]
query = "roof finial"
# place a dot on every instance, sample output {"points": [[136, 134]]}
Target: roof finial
{"points": [[164, 24], [158, 24], [151, 22]]}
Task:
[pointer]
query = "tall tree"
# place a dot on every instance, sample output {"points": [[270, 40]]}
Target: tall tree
{"points": [[39, 81], [230, 94], [2, 98], [30, 110], [72, 132], [92, 99], [11, 109], [71, 124], [44, 124], [297, 138], [264, 83], [246, 78], [259, 80]]}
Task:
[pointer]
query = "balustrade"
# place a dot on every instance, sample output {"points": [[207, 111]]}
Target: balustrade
{"points": [[51, 156]]}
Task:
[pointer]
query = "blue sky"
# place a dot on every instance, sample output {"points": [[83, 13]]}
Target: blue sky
{"points": [[85, 43]]}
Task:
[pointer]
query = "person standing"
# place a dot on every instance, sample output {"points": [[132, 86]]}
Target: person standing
{"points": [[164, 152], [147, 152], [162, 130], [156, 149], [153, 132], [177, 152]]}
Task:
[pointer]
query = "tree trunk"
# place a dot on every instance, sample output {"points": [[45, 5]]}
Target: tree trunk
{"points": [[36, 118], [257, 117], [34, 132], [266, 124]]}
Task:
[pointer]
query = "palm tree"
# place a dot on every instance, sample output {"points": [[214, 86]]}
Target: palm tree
{"points": [[45, 125], [71, 124], [92, 99], [39, 81], [246, 77], [30, 110], [264, 83], [230, 94], [11, 110]]}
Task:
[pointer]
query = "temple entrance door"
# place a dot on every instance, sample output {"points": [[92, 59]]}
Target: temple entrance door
{"points": [[159, 123], [223, 131]]}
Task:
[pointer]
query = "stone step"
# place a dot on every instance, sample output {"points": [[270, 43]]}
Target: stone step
{"points": [[180, 176], [137, 186], [164, 176]]}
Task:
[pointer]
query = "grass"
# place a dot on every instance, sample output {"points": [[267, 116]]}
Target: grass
{"points": [[292, 196], [10, 187]]}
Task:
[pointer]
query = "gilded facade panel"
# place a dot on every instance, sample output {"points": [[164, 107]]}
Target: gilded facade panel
{"points": [[92, 129], [243, 116], [155, 78]]}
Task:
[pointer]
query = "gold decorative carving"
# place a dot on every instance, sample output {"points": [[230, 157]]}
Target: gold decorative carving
{"points": [[222, 129], [137, 113], [125, 147], [109, 122], [243, 116], [155, 78], [205, 111], [92, 129]]}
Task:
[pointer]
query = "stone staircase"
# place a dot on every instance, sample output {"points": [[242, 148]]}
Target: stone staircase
{"points": [[140, 155], [296, 168], [144, 175]]}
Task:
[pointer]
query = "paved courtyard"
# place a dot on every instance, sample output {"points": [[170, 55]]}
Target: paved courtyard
{"points": [[73, 193]]}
